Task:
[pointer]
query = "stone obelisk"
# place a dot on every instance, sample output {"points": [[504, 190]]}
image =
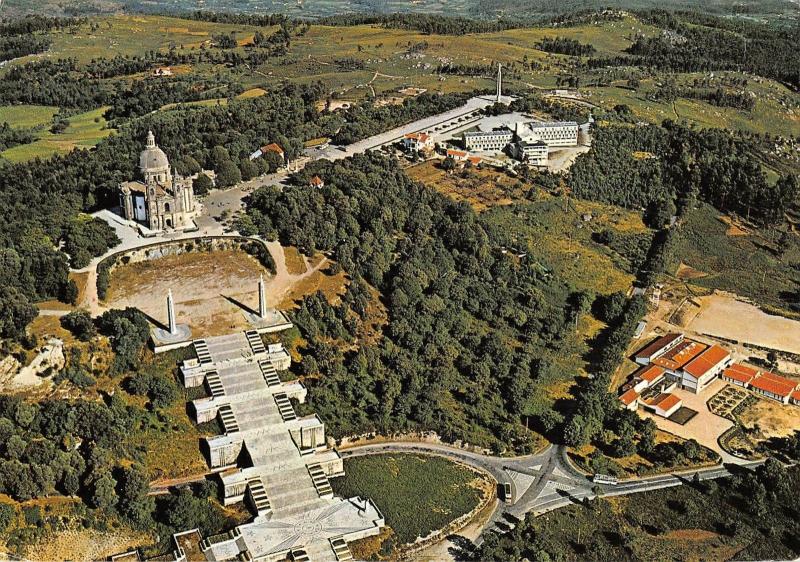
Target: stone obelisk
{"points": [[173, 326], [499, 82], [262, 298]]}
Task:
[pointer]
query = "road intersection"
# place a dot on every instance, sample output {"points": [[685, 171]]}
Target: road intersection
{"points": [[543, 481]]}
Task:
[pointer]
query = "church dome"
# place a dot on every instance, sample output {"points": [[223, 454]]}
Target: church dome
{"points": [[152, 158]]}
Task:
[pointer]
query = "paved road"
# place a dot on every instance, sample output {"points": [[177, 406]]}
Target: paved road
{"points": [[541, 482]]}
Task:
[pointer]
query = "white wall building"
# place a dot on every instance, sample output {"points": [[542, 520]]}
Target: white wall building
{"points": [[556, 133], [488, 141]]}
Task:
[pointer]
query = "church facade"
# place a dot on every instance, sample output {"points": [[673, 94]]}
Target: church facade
{"points": [[163, 199]]}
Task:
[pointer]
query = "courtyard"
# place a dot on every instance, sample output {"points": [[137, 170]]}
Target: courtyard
{"points": [[212, 289], [705, 427]]}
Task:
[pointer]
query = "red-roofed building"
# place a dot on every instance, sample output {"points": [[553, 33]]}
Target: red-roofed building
{"points": [[740, 375], [474, 160], [457, 155], [774, 386], [272, 147], [765, 383], [647, 377], [664, 404], [418, 141], [317, 182], [630, 399], [704, 368], [658, 347]]}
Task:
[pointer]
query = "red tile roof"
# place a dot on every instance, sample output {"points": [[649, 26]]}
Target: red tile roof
{"points": [[316, 181], [650, 373], [667, 401], [680, 355], [658, 345], [272, 147], [706, 361], [796, 395], [421, 137], [459, 153], [774, 384], [741, 373], [628, 397]]}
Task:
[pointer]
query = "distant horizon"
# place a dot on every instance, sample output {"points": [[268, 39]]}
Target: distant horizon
{"points": [[473, 9]]}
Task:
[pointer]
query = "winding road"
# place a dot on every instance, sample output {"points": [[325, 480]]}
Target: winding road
{"points": [[543, 481]]}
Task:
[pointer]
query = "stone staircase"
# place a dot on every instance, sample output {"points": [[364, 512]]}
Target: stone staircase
{"points": [[340, 549], [215, 384], [321, 482], [201, 350], [228, 419], [255, 342], [258, 496], [285, 407], [269, 372]]}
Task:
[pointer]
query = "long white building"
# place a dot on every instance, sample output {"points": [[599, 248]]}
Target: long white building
{"points": [[525, 140], [555, 133]]}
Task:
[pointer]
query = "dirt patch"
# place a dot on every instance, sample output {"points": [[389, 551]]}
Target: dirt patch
{"points": [[295, 261], [687, 272], [209, 288], [480, 188], [691, 535], [85, 544], [771, 418], [724, 315], [332, 286], [734, 228]]}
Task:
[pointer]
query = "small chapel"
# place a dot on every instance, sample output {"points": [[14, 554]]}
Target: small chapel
{"points": [[163, 199]]}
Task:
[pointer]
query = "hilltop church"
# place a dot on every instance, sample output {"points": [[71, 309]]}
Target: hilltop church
{"points": [[163, 200]]}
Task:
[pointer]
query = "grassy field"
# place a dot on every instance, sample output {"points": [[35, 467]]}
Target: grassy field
{"points": [[386, 65], [84, 131], [561, 238], [416, 494], [745, 262], [27, 116], [681, 523]]}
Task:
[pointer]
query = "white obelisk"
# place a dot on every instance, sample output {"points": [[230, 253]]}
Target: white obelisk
{"points": [[173, 327], [262, 298], [499, 82]]}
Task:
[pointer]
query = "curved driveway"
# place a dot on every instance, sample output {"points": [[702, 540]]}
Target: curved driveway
{"points": [[540, 482]]}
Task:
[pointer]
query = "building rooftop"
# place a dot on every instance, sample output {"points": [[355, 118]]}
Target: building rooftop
{"points": [[650, 373], [665, 401], [774, 384], [551, 124], [272, 147], [658, 345], [680, 355], [628, 397], [706, 361], [316, 181], [741, 373], [459, 153]]}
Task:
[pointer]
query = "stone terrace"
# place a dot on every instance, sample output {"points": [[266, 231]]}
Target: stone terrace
{"points": [[272, 459]]}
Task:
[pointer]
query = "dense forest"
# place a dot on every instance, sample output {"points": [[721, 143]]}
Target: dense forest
{"points": [[565, 46], [636, 166], [471, 331]]}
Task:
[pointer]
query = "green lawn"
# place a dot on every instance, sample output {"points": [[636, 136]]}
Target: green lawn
{"points": [[416, 494], [27, 116], [84, 131]]}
